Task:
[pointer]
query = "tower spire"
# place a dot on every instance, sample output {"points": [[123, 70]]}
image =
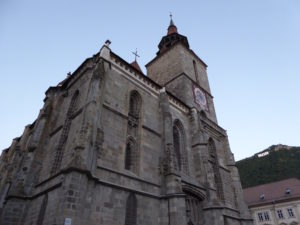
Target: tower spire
{"points": [[172, 28]]}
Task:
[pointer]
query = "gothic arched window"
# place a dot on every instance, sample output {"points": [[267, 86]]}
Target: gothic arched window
{"points": [[196, 71], [130, 155], [134, 104], [177, 146], [215, 165], [131, 210], [212, 151], [42, 210], [131, 150], [180, 147]]}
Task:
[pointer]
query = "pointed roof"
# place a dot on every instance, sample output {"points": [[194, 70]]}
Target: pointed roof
{"points": [[136, 66], [172, 29], [172, 38]]}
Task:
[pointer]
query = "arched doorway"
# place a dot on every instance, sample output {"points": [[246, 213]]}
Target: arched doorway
{"points": [[194, 211]]}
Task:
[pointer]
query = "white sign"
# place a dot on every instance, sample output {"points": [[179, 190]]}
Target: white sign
{"points": [[68, 221], [263, 154]]}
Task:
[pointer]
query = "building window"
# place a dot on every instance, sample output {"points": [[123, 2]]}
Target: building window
{"points": [[290, 212], [215, 166], [177, 147], [260, 217], [280, 214], [196, 71], [180, 152], [134, 104], [131, 210], [132, 149], [130, 155], [266, 216], [42, 210], [262, 197], [4, 193]]}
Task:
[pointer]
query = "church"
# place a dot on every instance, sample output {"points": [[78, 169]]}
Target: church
{"points": [[115, 146]]}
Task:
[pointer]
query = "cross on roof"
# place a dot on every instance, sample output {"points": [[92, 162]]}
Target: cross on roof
{"points": [[136, 55], [171, 16]]}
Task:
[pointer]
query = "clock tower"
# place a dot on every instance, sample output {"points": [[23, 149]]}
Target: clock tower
{"points": [[182, 72]]}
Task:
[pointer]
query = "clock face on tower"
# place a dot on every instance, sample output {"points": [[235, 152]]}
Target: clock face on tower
{"points": [[200, 97]]}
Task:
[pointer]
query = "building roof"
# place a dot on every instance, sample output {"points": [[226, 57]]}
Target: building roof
{"points": [[136, 66], [279, 191]]}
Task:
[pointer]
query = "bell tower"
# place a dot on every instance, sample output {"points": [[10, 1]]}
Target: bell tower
{"points": [[182, 72]]}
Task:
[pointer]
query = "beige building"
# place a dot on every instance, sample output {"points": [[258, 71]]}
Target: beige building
{"points": [[276, 203], [113, 146]]}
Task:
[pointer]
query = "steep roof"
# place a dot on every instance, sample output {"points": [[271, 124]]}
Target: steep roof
{"points": [[284, 190], [136, 66]]}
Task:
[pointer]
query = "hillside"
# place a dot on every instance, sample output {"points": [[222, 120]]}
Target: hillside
{"points": [[276, 163]]}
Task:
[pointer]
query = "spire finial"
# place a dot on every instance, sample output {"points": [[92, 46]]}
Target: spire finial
{"points": [[171, 19], [136, 54], [172, 28]]}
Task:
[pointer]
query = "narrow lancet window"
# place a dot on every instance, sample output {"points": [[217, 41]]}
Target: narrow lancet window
{"points": [[42, 210], [215, 166], [196, 71], [180, 147], [131, 150], [131, 210], [129, 155], [177, 147]]}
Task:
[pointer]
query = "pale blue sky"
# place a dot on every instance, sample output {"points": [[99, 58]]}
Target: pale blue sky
{"points": [[252, 49]]}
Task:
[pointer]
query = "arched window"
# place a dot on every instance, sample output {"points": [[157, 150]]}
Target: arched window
{"points": [[130, 155], [177, 146], [42, 210], [3, 195], [196, 71], [64, 133], [215, 165], [180, 147], [131, 150], [212, 151], [134, 104], [131, 210]]}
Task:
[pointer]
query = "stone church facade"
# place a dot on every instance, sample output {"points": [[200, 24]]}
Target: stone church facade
{"points": [[113, 146]]}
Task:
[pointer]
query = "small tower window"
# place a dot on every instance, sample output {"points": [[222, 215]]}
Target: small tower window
{"points": [[196, 71]]}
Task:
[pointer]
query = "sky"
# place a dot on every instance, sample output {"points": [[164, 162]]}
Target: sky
{"points": [[252, 50]]}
